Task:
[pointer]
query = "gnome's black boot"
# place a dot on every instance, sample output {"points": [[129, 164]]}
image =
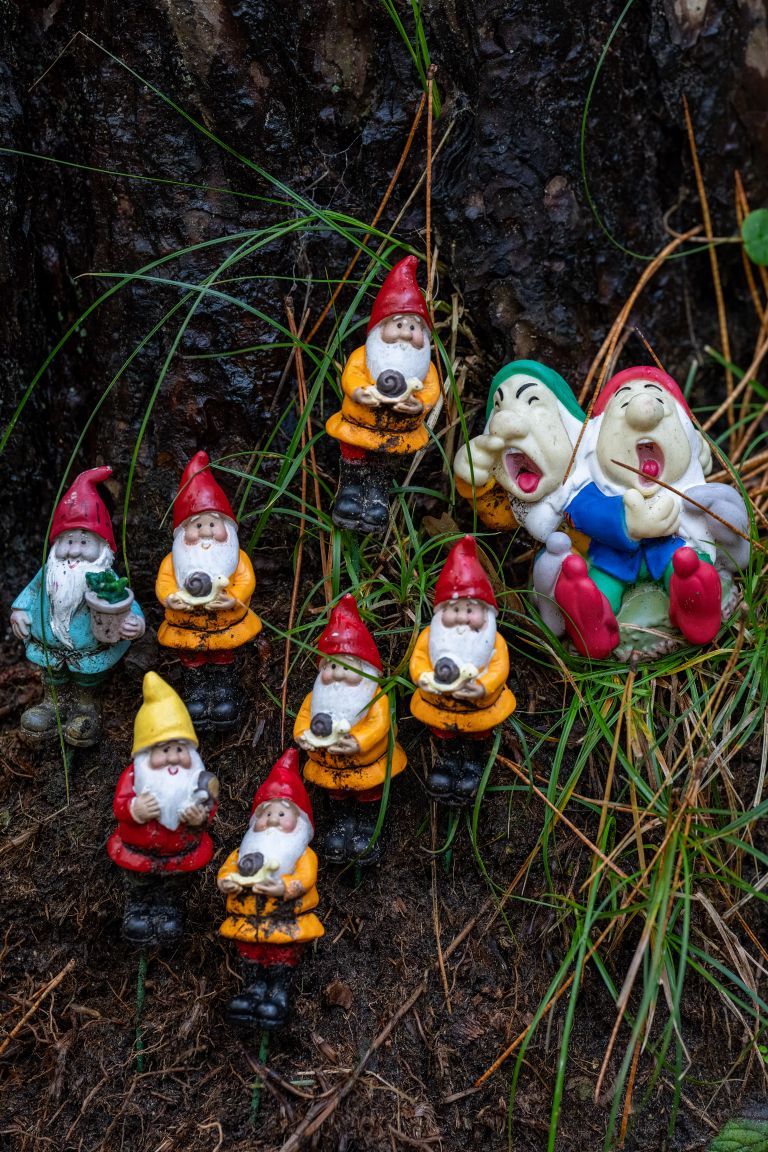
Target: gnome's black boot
{"points": [[333, 846], [138, 922], [364, 818], [197, 689], [440, 781], [472, 760], [274, 1008], [224, 707], [38, 723], [377, 493], [350, 495], [83, 726], [244, 1007]]}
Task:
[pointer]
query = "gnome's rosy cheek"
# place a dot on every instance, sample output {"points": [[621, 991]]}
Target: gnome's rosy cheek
{"points": [[475, 615]]}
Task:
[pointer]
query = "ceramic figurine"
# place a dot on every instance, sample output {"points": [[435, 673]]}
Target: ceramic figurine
{"points": [[205, 586], [164, 801], [649, 549], [460, 665], [389, 386], [70, 631], [346, 728], [269, 882]]}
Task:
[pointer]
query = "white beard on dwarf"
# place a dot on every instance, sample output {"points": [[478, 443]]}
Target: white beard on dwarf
{"points": [[461, 643], [399, 357], [274, 844], [343, 701], [173, 787], [214, 557], [65, 588]]}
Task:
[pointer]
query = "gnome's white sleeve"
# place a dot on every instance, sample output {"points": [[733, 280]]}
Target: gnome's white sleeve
{"points": [[727, 503]]}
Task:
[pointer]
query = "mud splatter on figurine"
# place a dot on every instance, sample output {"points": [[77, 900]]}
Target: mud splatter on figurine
{"points": [[345, 726], [269, 882], [461, 664], [390, 385], [164, 801], [75, 638], [205, 585]]}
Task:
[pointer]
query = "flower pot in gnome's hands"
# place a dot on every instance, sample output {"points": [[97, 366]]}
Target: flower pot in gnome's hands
{"points": [[389, 387], [109, 600]]}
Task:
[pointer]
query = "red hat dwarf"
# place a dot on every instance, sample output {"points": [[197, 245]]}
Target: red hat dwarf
{"points": [[645, 372], [400, 293], [199, 491], [346, 635], [82, 507], [463, 576], [285, 783]]}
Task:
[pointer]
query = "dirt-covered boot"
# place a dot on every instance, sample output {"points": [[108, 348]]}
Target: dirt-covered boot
{"points": [[38, 723], [83, 726]]}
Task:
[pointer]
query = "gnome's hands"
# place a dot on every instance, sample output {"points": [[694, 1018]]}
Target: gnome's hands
{"points": [[220, 603], [132, 627], [368, 397], [345, 746], [483, 452], [177, 603], [145, 807], [653, 518], [273, 887], [21, 623], [229, 886], [471, 690], [194, 815]]}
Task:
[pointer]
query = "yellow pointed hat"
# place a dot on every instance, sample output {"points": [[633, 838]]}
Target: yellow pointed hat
{"points": [[161, 717]]}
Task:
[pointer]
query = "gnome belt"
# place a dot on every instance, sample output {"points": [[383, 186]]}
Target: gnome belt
{"points": [[383, 419], [203, 621], [464, 707]]}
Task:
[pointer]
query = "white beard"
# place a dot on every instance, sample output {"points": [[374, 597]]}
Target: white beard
{"points": [[65, 588], [210, 556], [274, 844], [343, 701], [173, 792], [400, 357], [461, 643]]}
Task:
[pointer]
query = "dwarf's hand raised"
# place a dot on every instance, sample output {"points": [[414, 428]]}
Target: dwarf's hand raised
{"points": [[652, 518], [483, 452], [145, 807]]}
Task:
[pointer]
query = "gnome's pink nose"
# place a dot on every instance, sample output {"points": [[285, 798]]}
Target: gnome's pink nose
{"points": [[645, 412]]}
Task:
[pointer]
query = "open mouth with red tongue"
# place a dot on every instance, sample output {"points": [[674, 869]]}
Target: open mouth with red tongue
{"points": [[523, 471], [650, 460]]}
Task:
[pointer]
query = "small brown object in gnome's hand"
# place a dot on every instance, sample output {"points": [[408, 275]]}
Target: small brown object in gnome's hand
{"points": [[390, 385], [460, 664], [272, 921]]}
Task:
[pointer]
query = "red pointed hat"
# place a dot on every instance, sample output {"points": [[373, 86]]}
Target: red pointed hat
{"points": [[199, 491], [285, 783], [463, 576], [81, 506], [346, 635], [644, 372], [400, 293]]}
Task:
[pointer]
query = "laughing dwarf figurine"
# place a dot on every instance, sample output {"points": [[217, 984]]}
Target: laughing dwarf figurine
{"points": [[164, 801], [346, 728], [390, 385], [205, 586], [269, 882], [460, 665]]}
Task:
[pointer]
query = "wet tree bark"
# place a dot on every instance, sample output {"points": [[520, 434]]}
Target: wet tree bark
{"points": [[321, 97]]}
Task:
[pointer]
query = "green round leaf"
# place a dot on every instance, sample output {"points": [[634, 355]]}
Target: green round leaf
{"points": [[754, 233]]}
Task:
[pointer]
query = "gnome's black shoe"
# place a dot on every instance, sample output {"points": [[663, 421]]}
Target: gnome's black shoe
{"points": [[333, 845], [439, 785], [244, 1008], [169, 924], [274, 1009], [197, 689], [350, 496], [224, 708], [440, 781], [362, 828], [467, 778], [138, 924]]}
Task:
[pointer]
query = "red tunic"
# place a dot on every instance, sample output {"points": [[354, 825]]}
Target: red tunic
{"points": [[152, 847]]}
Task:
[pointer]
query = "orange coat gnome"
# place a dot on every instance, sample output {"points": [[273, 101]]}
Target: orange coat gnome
{"points": [[346, 727], [269, 882], [461, 664], [390, 385], [205, 585]]}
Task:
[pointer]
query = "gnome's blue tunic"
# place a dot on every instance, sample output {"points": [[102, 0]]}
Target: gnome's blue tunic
{"points": [[611, 548], [86, 657]]}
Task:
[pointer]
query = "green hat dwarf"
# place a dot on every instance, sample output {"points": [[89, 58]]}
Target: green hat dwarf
{"points": [[547, 376]]}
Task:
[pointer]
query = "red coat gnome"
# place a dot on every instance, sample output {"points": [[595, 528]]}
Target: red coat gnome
{"points": [[460, 665], [346, 727], [390, 385], [205, 585], [269, 882], [164, 801]]}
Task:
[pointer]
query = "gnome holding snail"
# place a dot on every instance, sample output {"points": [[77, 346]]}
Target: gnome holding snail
{"points": [[390, 385], [164, 801], [54, 617], [460, 665], [269, 882], [205, 586], [346, 728]]}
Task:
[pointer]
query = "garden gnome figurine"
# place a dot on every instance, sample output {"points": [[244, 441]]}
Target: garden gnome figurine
{"points": [[164, 801], [641, 533], [205, 586], [460, 665], [269, 882], [53, 618], [390, 385], [346, 728]]}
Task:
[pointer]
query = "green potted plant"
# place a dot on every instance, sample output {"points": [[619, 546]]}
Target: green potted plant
{"points": [[109, 599]]}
